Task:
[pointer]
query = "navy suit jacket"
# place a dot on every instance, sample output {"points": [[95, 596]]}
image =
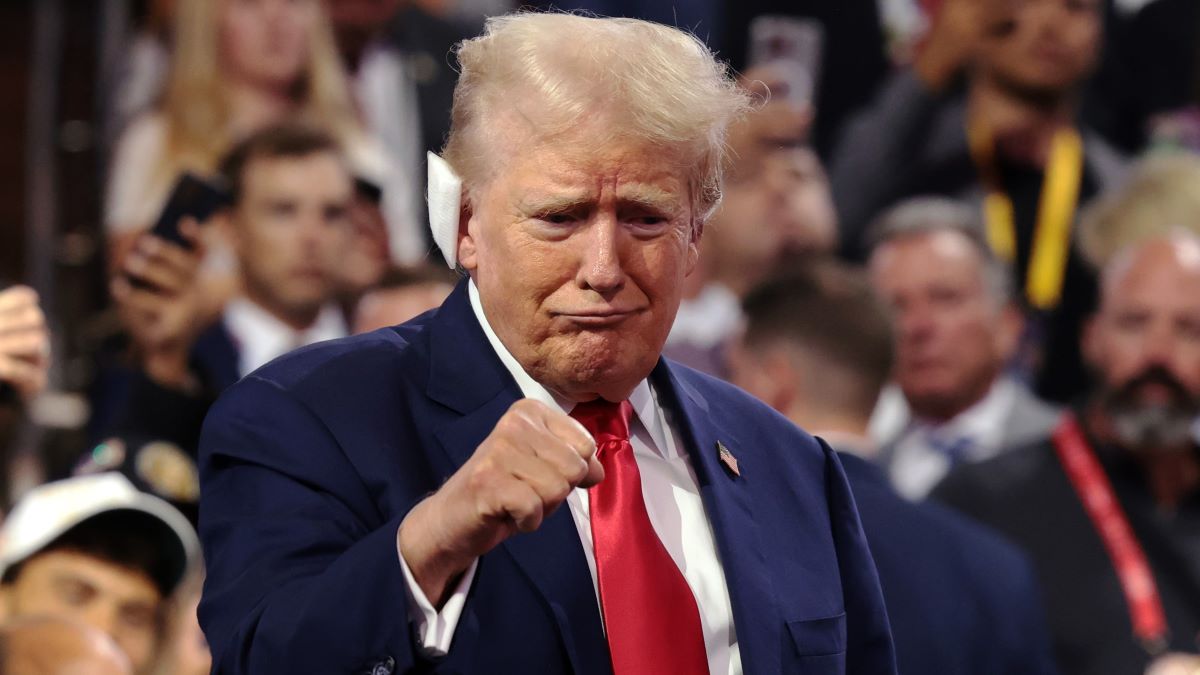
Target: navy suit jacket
{"points": [[309, 465], [962, 600]]}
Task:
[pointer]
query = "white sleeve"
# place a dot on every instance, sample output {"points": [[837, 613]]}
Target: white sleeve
{"points": [[435, 630], [134, 193]]}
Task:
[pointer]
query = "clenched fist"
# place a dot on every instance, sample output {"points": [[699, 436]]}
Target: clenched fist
{"points": [[518, 476]]}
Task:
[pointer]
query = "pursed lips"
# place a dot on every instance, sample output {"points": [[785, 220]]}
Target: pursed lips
{"points": [[598, 316]]}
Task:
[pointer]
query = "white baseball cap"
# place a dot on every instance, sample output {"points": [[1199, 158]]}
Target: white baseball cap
{"points": [[48, 511]]}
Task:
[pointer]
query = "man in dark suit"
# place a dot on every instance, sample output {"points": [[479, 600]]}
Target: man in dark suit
{"points": [[961, 600], [516, 481]]}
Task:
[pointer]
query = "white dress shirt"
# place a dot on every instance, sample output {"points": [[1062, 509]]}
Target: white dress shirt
{"points": [[673, 503], [917, 465], [260, 337]]}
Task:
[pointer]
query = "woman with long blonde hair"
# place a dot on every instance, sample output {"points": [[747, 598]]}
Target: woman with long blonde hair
{"points": [[238, 66]]}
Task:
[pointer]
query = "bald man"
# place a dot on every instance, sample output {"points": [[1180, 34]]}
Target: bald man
{"points": [[45, 646], [1109, 505]]}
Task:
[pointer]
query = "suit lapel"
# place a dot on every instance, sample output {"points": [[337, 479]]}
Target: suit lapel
{"points": [[729, 504], [467, 376]]}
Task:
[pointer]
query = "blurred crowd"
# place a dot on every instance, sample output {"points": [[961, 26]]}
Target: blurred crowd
{"points": [[959, 240]]}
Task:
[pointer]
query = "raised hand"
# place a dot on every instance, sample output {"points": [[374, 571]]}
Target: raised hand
{"points": [[518, 476]]}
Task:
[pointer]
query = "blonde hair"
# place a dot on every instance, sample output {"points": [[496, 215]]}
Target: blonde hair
{"points": [[1161, 195], [195, 105], [643, 80]]}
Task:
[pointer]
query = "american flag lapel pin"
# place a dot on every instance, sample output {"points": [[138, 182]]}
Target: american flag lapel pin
{"points": [[728, 460]]}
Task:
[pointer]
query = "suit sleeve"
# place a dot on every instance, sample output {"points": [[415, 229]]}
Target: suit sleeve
{"points": [[869, 649], [303, 573]]}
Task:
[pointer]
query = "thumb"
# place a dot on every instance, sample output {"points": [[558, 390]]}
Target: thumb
{"points": [[595, 473]]}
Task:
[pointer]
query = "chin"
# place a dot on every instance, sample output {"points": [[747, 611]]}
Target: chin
{"points": [[600, 363]]}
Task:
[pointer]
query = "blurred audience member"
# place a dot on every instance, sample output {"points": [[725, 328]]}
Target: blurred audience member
{"points": [[93, 549], [1147, 85], [398, 53], [289, 228], [401, 295], [46, 646], [239, 66], [1011, 143], [775, 202], [1162, 193], [853, 59], [1109, 505], [956, 331], [818, 348]]}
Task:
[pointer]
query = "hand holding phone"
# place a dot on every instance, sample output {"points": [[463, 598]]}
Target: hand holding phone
{"points": [[792, 49]]}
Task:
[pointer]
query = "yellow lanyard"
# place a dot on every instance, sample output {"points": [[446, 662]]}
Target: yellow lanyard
{"points": [[1055, 216]]}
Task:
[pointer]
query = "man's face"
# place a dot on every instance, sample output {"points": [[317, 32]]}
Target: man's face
{"points": [[1053, 46], [121, 602], [292, 228], [1145, 342], [579, 253], [952, 337]]}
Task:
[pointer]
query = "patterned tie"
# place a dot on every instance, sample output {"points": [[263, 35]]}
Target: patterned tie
{"points": [[650, 614], [956, 449]]}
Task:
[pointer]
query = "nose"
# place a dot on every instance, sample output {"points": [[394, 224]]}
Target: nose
{"points": [[601, 269], [915, 324], [1158, 349]]}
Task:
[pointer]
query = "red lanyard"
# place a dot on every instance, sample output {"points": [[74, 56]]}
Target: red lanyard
{"points": [[1100, 502]]}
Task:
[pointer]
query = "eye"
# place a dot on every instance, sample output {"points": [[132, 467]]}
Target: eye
{"points": [[558, 218], [138, 616], [648, 224], [75, 593]]}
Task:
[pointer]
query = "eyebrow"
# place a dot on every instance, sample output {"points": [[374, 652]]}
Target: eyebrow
{"points": [[650, 197], [643, 196]]}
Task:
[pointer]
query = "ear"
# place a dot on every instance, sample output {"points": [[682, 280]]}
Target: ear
{"points": [[1008, 333], [468, 230]]}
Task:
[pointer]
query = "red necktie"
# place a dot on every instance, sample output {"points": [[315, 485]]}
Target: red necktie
{"points": [[649, 611]]}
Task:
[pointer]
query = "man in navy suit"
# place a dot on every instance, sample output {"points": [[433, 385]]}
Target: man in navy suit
{"points": [[517, 482], [962, 601]]}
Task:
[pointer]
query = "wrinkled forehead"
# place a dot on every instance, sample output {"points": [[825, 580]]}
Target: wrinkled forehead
{"points": [[587, 163]]}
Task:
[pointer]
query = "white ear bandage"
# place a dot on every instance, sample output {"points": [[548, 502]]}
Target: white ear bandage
{"points": [[444, 196]]}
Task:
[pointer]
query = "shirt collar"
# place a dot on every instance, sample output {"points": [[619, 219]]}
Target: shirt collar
{"points": [[642, 398], [261, 337], [983, 422]]}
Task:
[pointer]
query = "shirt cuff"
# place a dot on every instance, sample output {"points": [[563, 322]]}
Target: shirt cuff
{"points": [[435, 630]]}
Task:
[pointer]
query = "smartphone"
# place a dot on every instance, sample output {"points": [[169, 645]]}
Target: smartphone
{"points": [[792, 48], [192, 197]]}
